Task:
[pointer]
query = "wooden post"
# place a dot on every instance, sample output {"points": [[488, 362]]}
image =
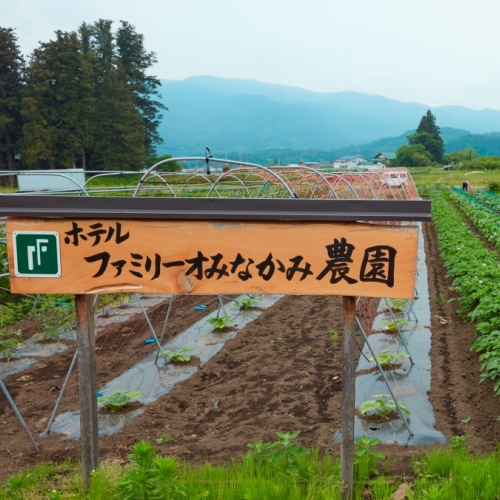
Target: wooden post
{"points": [[87, 383], [348, 396]]}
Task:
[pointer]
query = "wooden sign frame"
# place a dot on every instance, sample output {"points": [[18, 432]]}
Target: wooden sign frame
{"points": [[205, 258]]}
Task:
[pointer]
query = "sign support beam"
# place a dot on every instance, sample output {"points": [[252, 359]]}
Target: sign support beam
{"points": [[348, 395], [87, 385]]}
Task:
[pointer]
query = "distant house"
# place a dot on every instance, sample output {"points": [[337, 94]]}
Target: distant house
{"points": [[349, 162], [372, 165], [385, 158]]}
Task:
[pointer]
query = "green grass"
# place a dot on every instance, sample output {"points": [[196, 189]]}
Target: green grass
{"points": [[429, 176], [457, 475], [450, 473]]}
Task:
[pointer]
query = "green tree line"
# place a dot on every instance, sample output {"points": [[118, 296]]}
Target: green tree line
{"points": [[84, 99]]}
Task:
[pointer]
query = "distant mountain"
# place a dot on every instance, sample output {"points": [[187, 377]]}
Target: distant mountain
{"points": [[231, 116], [484, 144]]}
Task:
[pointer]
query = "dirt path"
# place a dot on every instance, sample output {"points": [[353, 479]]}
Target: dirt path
{"points": [[282, 372]]}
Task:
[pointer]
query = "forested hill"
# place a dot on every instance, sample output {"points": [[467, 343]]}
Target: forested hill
{"points": [[453, 139], [230, 114], [484, 144]]}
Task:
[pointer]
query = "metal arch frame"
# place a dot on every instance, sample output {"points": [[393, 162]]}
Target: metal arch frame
{"points": [[368, 179], [314, 172], [236, 178], [371, 179], [151, 169], [343, 179], [362, 176], [218, 160], [156, 174], [100, 175], [264, 180], [251, 165]]}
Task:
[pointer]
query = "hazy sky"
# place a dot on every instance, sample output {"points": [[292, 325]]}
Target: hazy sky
{"points": [[435, 52]]}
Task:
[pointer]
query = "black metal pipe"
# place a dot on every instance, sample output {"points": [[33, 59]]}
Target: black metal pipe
{"points": [[214, 208]]}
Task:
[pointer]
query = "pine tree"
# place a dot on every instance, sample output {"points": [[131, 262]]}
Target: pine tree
{"points": [[119, 132], [11, 79], [136, 61], [123, 91], [428, 135], [57, 104]]}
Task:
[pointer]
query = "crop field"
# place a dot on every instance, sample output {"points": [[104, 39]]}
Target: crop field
{"points": [[272, 394]]}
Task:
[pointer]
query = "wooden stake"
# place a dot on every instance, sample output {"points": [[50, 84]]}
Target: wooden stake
{"points": [[87, 383], [348, 396]]}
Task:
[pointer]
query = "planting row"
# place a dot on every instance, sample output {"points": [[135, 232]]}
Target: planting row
{"points": [[484, 219], [489, 199], [476, 273]]}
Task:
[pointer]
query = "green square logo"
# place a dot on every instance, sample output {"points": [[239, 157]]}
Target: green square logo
{"points": [[36, 254]]}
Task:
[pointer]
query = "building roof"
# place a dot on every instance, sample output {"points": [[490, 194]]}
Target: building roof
{"points": [[352, 157], [389, 156]]}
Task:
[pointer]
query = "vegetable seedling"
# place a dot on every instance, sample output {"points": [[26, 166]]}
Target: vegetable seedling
{"points": [[397, 305], [180, 355], [10, 340], [116, 400], [364, 451], [387, 358], [394, 326], [334, 335], [279, 451], [221, 322], [246, 303], [383, 405], [165, 438]]}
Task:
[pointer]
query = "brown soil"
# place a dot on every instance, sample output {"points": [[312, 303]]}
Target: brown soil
{"points": [[282, 372]]}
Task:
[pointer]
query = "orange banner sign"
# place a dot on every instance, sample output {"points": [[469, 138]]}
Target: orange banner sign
{"points": [[198, 257]]}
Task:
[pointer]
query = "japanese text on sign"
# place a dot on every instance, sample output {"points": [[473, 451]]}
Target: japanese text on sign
{"points": [[199, 257]]}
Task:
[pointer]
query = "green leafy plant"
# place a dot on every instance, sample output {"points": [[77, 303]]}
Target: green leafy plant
{"points": [[474, 268], [434, 492], [397, 305], [113, 299], [383, 406], [221, 322], [494, 186], [334, 335], [466, 420], [56, 314], [180, 355], [387, 358], [116, 400], [279, 451], [165, 438], [150, 476], [459, 443], [246, 303], [394, 326], [365, 457], [10, 341]]}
